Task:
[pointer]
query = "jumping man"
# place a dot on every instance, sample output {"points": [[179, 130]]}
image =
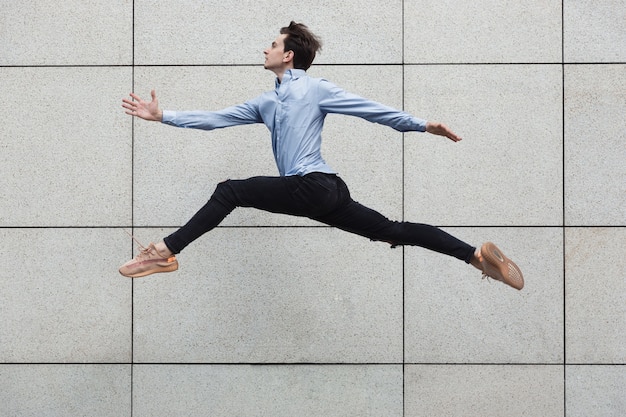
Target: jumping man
{"points": [[294, 113]]}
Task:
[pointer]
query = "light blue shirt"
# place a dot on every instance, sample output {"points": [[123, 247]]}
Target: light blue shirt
{"points": [[294, 113]]}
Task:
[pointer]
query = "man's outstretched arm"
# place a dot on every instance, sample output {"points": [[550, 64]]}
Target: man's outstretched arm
{"points": [[440, 129], [143, 109], [336, 100]]}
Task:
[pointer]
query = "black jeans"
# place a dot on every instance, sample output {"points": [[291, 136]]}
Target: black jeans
{"points": [[318, 196]]}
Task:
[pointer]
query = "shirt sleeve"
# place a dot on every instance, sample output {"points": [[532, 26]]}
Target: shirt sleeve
{"points": [[336, 100], [241, 114]]}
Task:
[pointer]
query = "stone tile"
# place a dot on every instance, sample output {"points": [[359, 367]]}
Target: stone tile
{"points": [[267, 390], [367, 156], [66, 155], [508, 168], [209, 33], [595, 271], [485, 31], [63, 299], [594, 31], [72, 32], [596, 390], [273, 295], [189, 163], [490, 390], [65, 390], [595, 175], [451, 316]]}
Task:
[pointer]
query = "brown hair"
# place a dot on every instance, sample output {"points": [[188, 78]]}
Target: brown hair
{"points": [[302, 42]]}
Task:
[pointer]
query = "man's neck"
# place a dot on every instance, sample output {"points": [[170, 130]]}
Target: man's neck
{"points": [[279, 75], [280, 72]]}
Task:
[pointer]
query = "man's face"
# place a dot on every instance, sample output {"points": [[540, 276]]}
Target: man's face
{"points": [[276, 54]]}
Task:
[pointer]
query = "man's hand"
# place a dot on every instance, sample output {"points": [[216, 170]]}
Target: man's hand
{"points": [[442, 130], [143, 109]]}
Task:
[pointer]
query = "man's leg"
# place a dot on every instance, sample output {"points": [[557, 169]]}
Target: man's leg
{"points": [[309, 196], [356, 218], [306, 196]]}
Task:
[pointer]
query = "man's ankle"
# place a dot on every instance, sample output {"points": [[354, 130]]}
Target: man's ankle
{"points": [[162, 248], [477, 260]]}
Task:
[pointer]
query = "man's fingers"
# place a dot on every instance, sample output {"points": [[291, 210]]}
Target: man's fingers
{"points": [[130, 105], [138, 107]]}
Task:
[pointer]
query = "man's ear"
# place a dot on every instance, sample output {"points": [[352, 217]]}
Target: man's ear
{"points": [[288, 56]]}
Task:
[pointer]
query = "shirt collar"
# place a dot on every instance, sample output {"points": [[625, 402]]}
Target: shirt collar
{"points": [[290, 74]]}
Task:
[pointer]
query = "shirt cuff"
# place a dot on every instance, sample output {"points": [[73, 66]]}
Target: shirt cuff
{"points": [[421, 125], [168, 116]]}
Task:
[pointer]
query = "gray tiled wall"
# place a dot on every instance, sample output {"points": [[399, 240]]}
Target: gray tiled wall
{"points": [[278, 316]]}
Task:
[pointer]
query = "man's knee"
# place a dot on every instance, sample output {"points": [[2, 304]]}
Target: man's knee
{"points": [[391, 232], [224, 194]]}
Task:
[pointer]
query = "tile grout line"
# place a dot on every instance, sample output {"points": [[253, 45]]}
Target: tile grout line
{"points": [[402, 196], [359, 64], [459, 226], [322, 227], [132, 221], [559, 363], [563, 212]]}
